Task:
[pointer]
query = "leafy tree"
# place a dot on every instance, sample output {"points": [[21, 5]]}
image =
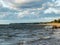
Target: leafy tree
{"points": [[55, 21], [58, 20]]}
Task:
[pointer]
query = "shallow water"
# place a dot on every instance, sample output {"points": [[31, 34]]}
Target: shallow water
{"points": [[29, 37]]}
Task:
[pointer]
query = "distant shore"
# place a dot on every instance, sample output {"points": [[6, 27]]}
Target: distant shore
{"points": [[29, 25]]}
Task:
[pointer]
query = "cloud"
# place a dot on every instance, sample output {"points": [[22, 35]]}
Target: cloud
{"points": [[53, 7], [33, 12], [19, 3], [24, 1], [52, 10], [57, 2], [2, 15], [29, 9]]}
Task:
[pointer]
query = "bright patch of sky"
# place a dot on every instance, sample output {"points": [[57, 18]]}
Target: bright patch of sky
{"points": [[22, 11]]}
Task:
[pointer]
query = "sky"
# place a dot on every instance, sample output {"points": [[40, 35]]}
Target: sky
{"points": [[26, 11]]}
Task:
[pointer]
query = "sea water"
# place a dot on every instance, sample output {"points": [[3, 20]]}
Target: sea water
{"points": [[29, 36]]}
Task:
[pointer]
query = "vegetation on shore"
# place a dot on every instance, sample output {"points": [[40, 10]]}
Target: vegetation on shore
{"points": [[56, 21]]}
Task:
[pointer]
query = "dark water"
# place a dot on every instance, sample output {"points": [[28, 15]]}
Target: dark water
{"points": [[30, 37]]}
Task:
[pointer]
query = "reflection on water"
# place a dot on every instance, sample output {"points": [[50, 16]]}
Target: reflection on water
{"points": [[29, 37]]}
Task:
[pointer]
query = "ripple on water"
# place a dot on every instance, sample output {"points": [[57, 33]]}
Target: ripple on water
{"points": [[32, 37]]}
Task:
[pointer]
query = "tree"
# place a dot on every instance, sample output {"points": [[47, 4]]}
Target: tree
{"points": [[55, 21], [58, 20]]}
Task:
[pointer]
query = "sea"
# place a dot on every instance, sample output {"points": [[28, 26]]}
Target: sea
{"points": [[43, 36]]}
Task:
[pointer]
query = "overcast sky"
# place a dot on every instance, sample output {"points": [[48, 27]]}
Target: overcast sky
{"points": [[22, 11]]}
